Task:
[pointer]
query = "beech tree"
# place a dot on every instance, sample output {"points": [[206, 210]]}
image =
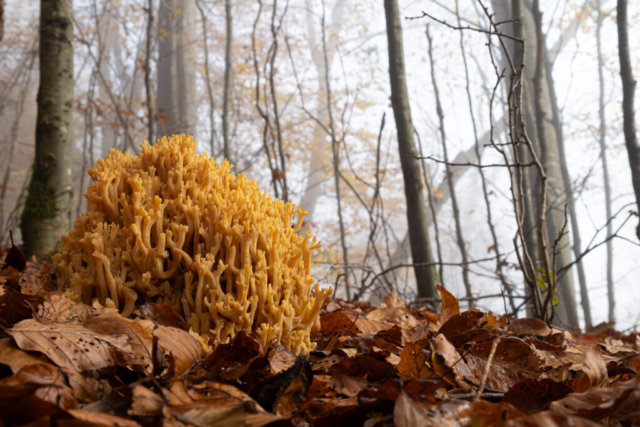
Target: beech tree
{"points": [[47, 209], [421, 252]]}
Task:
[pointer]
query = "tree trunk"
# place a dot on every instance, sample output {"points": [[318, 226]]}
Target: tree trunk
{"points": [[628, 93], [573, 216], [176, 68], [605, 165], [424, 268], [319, 159], [547, 148], [228, 80], [48, 204]]}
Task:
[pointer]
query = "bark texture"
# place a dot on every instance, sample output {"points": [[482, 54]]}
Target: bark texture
{"points": [[628, 93], [176, 68], [48, 204], [228, 80], [426, 275]]}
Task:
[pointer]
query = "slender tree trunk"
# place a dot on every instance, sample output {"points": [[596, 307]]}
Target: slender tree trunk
{"points": [[547, 148], [449, 174], [605, 166], [147, 72], [228, 79], [1, 19], [573, 216], [424, 268], [13, 138], [528, 215], [628, 94], [176, 68], [207, 78], [47, 207], [318, 159]]}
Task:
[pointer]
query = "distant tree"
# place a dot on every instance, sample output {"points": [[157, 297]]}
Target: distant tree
{"points": [[421, 252], [628, 94], [176, 99], [48, 204]]}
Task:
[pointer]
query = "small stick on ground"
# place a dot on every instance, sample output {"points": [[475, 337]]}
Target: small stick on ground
{"points": [[487, 367]]}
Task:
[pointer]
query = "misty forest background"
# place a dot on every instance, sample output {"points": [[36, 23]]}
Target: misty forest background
{"points": [[297, 94]]}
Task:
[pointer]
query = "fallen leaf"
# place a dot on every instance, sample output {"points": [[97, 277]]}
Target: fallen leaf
{"points": [[521, 327], [15, 358], [594, 371], [450, 305], [347, 385], [203, 414], [413, 360], [80, 348], [163, 315], [276, 386], [448, 364], [534, 395], [102, 419], [407, 414], [16, 306], [182, 346]]}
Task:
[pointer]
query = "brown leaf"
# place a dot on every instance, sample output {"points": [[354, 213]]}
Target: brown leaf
{"points": [[15, 257], [460, 323], [413, 361], [347, 385], [522, 327], [363, 366], [203, 414], [102, 419], [15, 358], [184, 348], [554, 419], [16, 306], [81, 348], [392, 300], [534, 395], [450, 305], [163, 315], [282, 360], [621, 400], [43, 381], [448, 364], [407, 414], [36, 279], [594, 371], [233, 358], [145, 403], [397, 315]]}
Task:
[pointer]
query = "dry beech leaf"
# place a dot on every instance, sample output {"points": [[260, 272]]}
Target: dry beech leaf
{"points": [[448, 364], [534, 395], [184, 348], [522, 327], [282, 360], [413, 361], [80, 348], [87, 389], [392, 300], [407, 414], [397, 315], [163, 315], [619, 400], [15, 358], [348, 386], [44, 381], [102, 419], [594, 371], [450, 305], [203, 414], [16, 306], [145, 403]]}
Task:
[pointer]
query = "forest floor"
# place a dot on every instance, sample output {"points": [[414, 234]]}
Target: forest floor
{"points": [[68, 364]]}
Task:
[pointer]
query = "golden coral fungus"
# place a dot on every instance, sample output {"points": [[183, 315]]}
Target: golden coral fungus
{"points": [[172, 226]]}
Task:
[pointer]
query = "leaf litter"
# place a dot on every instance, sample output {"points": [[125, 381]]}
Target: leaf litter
{"points": [[63, 363]]}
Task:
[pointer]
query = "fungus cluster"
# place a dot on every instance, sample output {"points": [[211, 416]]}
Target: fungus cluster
{"points": [[172, 226]]}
